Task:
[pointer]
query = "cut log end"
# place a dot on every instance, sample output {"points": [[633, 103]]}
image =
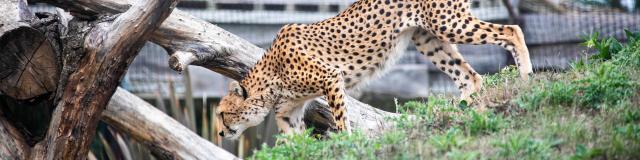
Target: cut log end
{"points": [[29, 67], [179, 61]]}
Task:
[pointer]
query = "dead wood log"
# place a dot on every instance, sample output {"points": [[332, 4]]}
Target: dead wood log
{"points": [[370, 120], [96, 57], [15, 15], [192, 41], [167, 138], [188, 39], [164, 136], [12, 144], [28, 67]]}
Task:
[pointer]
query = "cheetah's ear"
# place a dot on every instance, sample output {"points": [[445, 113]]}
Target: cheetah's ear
{"points": [[235, 88]]}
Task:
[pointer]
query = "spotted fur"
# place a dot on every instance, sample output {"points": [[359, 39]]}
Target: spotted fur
{"points": [[328, 57]]}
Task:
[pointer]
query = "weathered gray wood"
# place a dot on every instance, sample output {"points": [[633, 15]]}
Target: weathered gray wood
{"points": [[12, 144], [208, 46], [163, 135], [21, 48], [86, 86], [196, 42], [96, 56], [182, 34], [371, 121], [14, 15], [170, 140]]}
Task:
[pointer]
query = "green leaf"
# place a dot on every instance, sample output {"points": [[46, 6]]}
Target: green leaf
{"points": [[632, 36], [463, 105]]}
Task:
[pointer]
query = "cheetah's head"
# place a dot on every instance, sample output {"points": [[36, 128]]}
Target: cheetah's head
{"points": [[238, 111]]}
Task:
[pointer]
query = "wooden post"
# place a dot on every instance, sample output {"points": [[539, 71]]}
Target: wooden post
{"points": [[188, 98]]}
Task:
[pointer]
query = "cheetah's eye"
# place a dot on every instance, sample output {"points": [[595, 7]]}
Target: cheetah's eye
{"points": [[244, 93], [237, 89]]}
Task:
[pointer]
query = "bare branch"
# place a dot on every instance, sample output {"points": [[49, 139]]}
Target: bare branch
{"points": [[166, 137]]}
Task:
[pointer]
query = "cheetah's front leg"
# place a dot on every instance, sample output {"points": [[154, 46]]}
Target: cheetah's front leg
{"points": [[289, 118], [334, 91]]}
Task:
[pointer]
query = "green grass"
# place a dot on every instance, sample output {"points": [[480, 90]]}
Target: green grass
{"points": [[590, 111]]}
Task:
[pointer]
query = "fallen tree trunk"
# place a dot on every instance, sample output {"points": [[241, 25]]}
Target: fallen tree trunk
{"points": [[164, 136], [192, 41]]}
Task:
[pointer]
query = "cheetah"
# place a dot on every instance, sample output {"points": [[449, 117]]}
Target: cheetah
{"points": [[326, 58]]}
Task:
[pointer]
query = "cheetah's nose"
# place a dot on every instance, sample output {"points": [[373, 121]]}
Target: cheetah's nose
{"points": [[221, 133]]}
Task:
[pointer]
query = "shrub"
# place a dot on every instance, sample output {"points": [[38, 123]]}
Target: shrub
{"points": [[523, 146], [553, 93], [582, 152], [601, 81], [629, 56], [463, 155], [452, 139], [481, 123], [607, 85], [509, 73], [606, 47], [338, 146]]}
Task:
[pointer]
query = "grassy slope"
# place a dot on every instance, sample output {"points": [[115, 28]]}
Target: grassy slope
{"points": [[589, 111]]}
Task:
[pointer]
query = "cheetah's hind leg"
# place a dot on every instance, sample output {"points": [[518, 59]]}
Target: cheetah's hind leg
{"points": [[470, 30], [446, 57]]}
